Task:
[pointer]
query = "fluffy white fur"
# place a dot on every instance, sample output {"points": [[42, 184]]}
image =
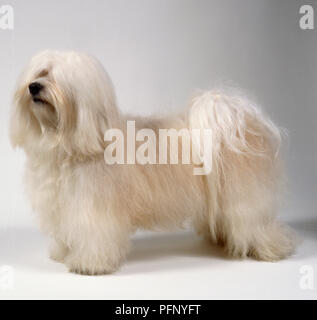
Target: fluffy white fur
{"points": [[90, 209]]}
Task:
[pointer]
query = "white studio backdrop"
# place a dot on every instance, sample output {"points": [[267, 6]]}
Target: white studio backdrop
{"points": [[158, 52]]}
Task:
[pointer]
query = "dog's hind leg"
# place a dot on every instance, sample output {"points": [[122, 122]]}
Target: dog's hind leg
{"points": [[249, 228], [244, 183], [245, 220], [249, 197]]}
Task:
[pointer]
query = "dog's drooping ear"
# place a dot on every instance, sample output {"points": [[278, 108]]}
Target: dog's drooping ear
{"points": [[91, 108]]}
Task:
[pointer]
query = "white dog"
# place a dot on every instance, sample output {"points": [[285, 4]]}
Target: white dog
{"points": [[63, 105]]}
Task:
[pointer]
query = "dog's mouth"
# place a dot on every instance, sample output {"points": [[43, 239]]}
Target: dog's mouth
{"points": [[43, 103], [39, 101]]}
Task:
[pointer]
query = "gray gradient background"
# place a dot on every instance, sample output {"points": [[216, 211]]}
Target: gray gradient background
{"points": [[158, 52]]}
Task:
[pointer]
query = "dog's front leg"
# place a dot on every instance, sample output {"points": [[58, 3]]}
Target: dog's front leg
{"points": [[98, 246], [58, 250]]}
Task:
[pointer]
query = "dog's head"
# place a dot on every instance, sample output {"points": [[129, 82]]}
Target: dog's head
{"points": [[63, 99]]}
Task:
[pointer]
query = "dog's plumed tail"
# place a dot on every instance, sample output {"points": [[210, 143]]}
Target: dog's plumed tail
{"points": [[236, 123], [244, 183]]}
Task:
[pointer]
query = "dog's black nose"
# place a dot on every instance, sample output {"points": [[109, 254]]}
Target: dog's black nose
{"points": [[35, 88]]}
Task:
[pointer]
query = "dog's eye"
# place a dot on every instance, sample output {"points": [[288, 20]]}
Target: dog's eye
{"points": [[43, 73]]}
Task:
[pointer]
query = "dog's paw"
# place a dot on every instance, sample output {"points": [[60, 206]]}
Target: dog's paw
{"points": [[90, 271], [58, 252], [270, 243], [90, 266], [279, 244]]}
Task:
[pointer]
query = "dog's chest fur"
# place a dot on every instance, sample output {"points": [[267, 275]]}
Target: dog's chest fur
{"points": [[44, 180]]}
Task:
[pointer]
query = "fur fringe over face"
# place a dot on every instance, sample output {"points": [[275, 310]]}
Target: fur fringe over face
{"points": [[90, 208]]}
